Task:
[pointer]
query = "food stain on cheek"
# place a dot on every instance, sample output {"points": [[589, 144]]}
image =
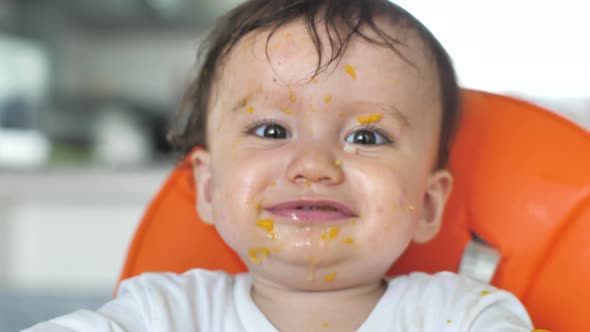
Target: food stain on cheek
{"points": [[350, 149], [371, 118], [258, 255], [292, 97], [250, 109], [328, 99], [268, 225], [350, 70], [348, 240], [338, 163]]}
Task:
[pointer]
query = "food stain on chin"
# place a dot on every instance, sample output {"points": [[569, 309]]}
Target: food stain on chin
{"points": [[330, 277], [254, 252], [331, 234], [348, 240]]}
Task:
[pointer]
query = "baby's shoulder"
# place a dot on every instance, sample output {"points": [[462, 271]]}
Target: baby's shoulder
{"points": [[446, 288], [446, 299], [196, 283]]}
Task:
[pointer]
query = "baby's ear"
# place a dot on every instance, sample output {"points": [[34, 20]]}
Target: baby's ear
{"points": [[201, 164], [440, 184]]}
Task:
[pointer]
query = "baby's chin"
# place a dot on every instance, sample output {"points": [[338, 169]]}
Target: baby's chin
{"points": [[312, 277]]}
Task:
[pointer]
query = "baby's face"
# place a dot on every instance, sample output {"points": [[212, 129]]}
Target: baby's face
{"points": [[322, 184]]}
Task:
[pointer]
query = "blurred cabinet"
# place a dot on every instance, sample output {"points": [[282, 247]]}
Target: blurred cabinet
{"points": [[70, 230]]}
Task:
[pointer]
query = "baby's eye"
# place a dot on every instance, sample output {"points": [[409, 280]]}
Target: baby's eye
{"points": [[270, 130], [367, 136]]}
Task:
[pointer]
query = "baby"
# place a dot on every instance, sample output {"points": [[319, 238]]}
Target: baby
{"points": [[325, 128]]}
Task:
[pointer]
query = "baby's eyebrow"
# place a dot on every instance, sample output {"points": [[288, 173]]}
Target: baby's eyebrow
{"points": [[242, 102], [396, 113]]}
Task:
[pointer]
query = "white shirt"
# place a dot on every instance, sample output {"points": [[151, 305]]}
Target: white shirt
{"points": [[201, 300]]}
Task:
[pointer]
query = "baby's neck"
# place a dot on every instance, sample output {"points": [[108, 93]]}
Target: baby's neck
{"points": [[340, 310]]}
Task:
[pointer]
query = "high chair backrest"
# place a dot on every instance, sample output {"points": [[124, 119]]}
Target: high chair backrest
{"points": [[522, 185]]}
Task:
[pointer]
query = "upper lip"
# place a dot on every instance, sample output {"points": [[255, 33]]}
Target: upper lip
{"points": [[308, 203]]}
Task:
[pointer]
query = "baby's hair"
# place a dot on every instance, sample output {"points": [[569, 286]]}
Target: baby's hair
{"points": [[342, 20]]}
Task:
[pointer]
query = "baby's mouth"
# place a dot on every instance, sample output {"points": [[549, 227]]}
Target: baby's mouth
{"points": [[312, 211]]}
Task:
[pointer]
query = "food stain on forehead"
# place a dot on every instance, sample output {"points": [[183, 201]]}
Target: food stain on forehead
{"points": [[250, 109], [371, 118], [258, 255], [287, 111], [350, 70]]}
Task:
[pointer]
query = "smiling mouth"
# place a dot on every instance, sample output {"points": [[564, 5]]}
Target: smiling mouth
{"points": [[312, 211]]}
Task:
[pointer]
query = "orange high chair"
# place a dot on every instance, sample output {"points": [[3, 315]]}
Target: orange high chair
{"points": [[522, 190]]}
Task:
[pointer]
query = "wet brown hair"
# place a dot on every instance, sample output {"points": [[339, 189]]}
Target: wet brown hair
{"points": [[341, 20]]}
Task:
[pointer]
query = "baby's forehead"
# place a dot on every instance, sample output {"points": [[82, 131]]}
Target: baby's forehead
{"points": [[287, 58]]}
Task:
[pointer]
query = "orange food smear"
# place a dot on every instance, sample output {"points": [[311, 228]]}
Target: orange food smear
{"points": [[365, 120], [250, 109], [331, 234], [266, 224], [328, 99], [348, 240], [485, 292], [253, 254], [350, 71], [292, 97], [330, 276], [325, 324], [272, 184], [338, 163], [287, 111]]}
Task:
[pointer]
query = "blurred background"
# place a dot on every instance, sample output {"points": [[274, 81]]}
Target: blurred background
{"points": [[87, 89]]}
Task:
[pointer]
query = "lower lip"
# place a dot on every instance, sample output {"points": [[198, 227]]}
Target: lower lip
{"points": [[310, 215]]}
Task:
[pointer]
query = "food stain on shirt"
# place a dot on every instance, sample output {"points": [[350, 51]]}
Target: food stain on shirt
{"points": [[485, 292], [350, 70], [371, 118]]}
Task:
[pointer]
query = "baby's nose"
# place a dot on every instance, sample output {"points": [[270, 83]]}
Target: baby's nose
{"points": [[315, 167]]}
